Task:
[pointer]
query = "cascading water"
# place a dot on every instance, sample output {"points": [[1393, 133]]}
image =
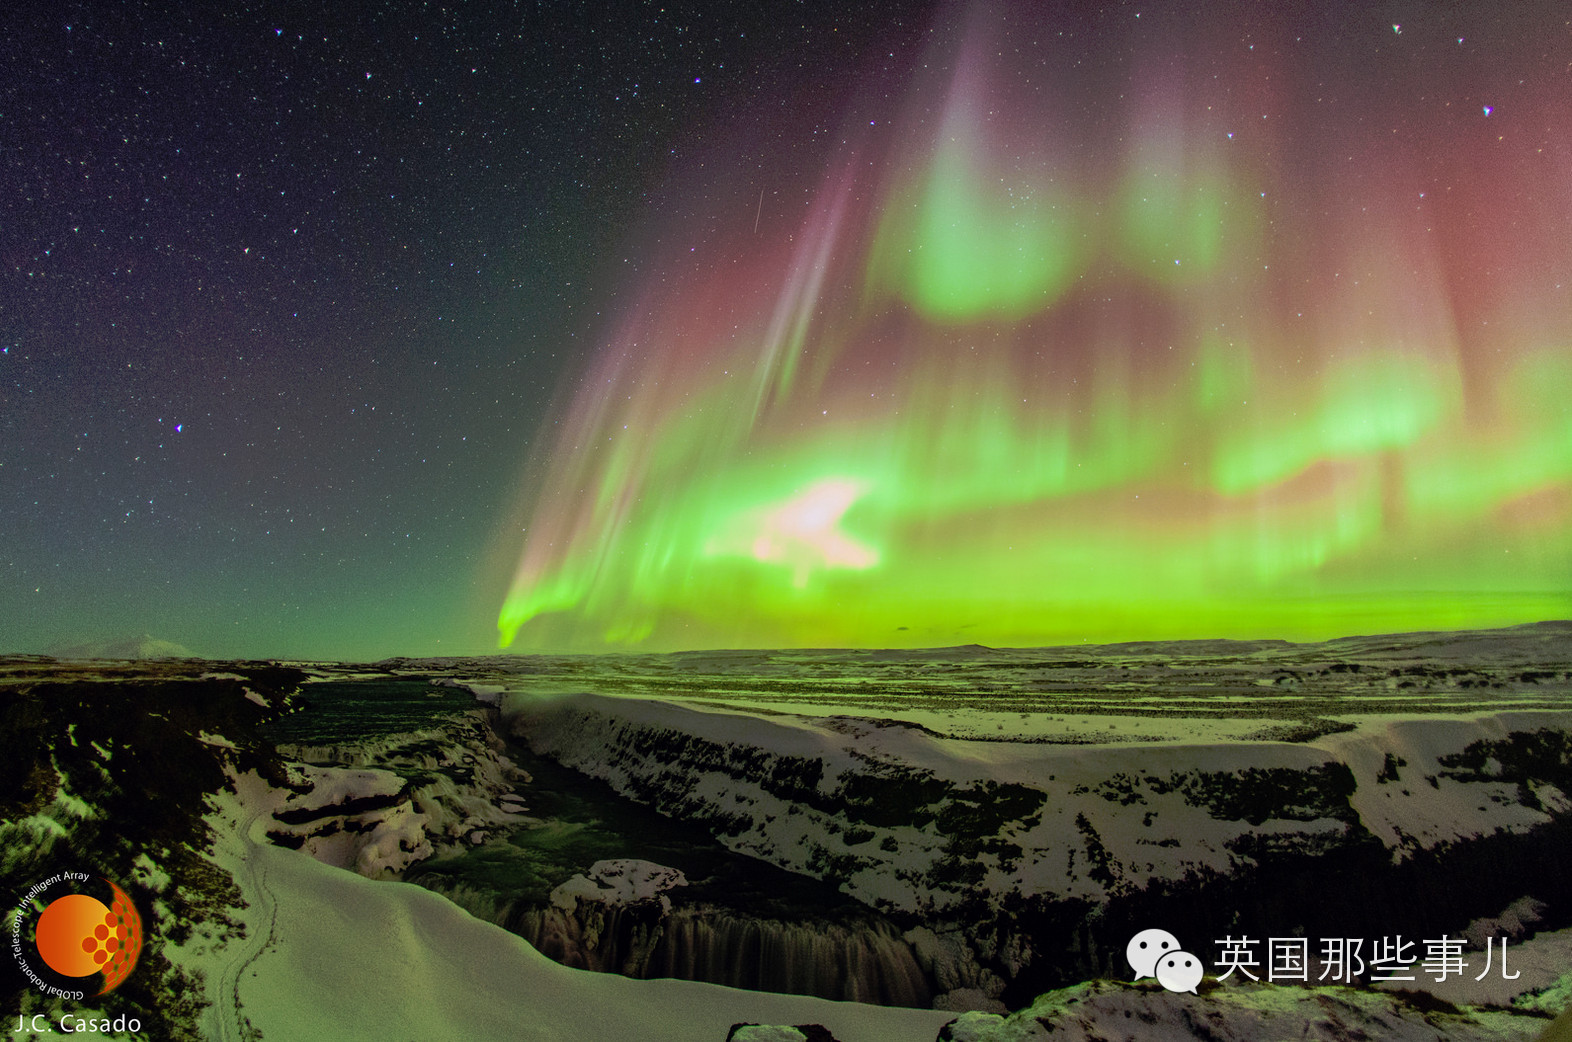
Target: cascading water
{"points": [[855, 962], [734, 920]]}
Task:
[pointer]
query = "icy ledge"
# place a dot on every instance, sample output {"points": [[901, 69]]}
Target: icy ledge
{"points": [[329, 954], [910, 821], [1030, 865]]}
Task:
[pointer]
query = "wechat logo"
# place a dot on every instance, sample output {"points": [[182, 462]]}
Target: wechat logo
{"points": [[1156, 953]]}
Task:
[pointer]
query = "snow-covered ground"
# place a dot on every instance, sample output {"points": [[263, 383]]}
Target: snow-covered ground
{"points": [[330, 954], [338, 956], [1002, 804], [787, 788], [1117, 774], [1187, 691], [333, 955]]}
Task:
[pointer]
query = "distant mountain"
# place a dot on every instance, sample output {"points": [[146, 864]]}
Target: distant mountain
{"points": [[143, 647]]}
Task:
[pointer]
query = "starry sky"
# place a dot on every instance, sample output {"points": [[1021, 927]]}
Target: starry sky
{"points": [[393, 329], [286, 289]]}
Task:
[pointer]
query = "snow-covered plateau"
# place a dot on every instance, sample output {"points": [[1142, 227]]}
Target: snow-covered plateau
{"points": [[1006, 820]]}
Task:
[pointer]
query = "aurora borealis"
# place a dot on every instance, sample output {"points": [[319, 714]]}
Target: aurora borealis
{"points": [[286, 289], [1224, 321], [376, 330]]}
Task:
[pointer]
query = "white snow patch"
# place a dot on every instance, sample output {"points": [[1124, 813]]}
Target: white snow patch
{"points": [[329, 954], [1425, 807], [331, 786], [1169, 835], [619, 881], [146, 871]]}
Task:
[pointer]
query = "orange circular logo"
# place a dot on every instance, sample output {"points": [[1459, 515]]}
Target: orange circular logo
{"points": [[78, 935]]}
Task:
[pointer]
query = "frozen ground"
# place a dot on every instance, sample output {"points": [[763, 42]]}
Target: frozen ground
{"points": [[999, 800], [333, 955], [1186, 691]]}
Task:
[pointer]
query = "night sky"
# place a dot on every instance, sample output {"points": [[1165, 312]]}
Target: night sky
{"points": [[343, 334], [286, 291]]}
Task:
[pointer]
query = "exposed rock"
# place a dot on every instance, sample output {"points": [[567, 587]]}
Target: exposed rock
{"points": [[1101, 1010], [1047, 858], [379, 806], [971, 1026], [780, 1033]]}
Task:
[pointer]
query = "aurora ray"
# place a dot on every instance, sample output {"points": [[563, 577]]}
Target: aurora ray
{"points": [[1061, 362]]}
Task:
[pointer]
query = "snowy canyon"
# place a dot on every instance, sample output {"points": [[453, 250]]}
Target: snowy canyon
{"points": [[945, 831]]}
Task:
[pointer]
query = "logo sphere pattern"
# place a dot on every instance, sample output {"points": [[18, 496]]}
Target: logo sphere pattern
{"points": [[78, 935]]}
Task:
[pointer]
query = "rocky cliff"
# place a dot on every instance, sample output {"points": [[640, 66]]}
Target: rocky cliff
{"points": [[1022, 866]]}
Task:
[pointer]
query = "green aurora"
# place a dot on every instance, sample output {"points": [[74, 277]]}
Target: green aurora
{"points": [[996, 385]]}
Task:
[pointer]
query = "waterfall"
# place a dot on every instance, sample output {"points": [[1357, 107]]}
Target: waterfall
{"points": [[866, 961]]}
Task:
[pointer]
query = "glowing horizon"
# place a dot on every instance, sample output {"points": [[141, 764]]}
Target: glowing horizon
{"points": [[997, 386]]}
